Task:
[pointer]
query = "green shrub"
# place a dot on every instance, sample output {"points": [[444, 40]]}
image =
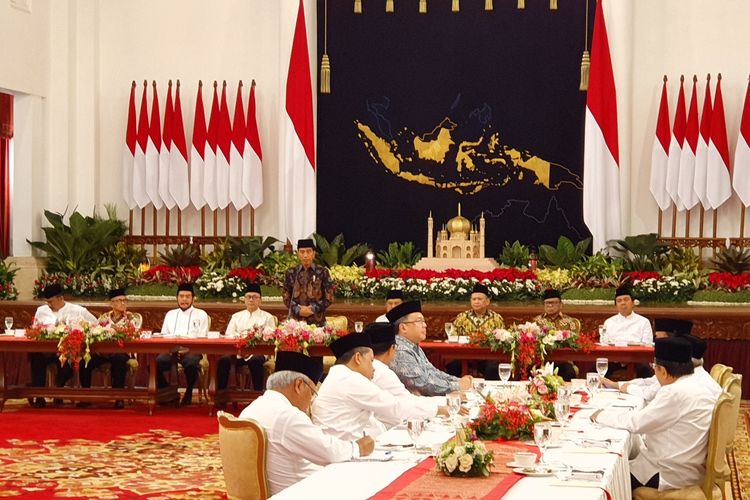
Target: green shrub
{"points": [[399, 256], [335, 252], [514, 255], [565, 254]]}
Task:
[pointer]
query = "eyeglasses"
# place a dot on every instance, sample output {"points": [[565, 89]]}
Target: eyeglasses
{"points": [[417, 321], [312, 389], [119, 300], [252, 297]]}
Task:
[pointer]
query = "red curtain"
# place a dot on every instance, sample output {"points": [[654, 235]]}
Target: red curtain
{"points": [[6, 133]]}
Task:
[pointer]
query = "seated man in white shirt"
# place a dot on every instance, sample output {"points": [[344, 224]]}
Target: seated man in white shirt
{"points": [[628, 327], [240, 322], [383, 337], [296, 447], [184, 321], [674, 426], [55, 311], [349, 405], [392, 299]]}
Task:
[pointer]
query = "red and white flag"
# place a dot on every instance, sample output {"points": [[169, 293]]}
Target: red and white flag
{"points": [[718, 174], [179, 184], [166, 146], [701, 152], [601, 170], [297, 196], [252, 173], [675, 147], [209, 171], [237, 150], [140, 196], [152, 152], [197, 152], [128, 152], [223, 146], [685, 181], [741, 173], [660, 153]]}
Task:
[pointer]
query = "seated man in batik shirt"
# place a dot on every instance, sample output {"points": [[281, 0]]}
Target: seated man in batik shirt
{"points": [[480, 318], [553, 318]]}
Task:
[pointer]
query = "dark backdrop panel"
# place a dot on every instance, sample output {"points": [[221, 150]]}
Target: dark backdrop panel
{"points": [[503, 84]]}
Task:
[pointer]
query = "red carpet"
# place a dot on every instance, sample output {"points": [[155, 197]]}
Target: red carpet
{"points": [[73, 452]]}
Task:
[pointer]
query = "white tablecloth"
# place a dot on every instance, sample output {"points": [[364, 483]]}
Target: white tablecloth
{"points": [[579, 449]]}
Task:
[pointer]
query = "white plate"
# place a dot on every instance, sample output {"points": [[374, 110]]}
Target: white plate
{"points": [[533, 472]]}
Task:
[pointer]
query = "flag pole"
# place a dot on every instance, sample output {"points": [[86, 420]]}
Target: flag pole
{"points": [[226, 221], [674, 221], [659, 227], [742, 221], [166, 220], [252, 221], [239, 223], [216, 222], [179, 221], [687, 223], [154, 227], [203, 221], [130, 221]]}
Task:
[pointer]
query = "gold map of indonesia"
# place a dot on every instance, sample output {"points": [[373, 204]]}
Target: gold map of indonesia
{"points": [[475, 165]]}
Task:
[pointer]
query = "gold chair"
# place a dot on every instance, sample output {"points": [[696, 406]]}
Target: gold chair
{"points": [[339, 323], [720, 435], [719, 372], [242, 444], [733, 386]]}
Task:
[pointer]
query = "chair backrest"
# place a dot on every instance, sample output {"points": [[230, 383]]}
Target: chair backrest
{"points": [[733, 386], [242, 443], [720, 435], [719, 371], [338, 322]]}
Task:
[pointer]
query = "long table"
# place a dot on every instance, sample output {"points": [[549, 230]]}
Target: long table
{"points": [[150, 348], [442, 352], [356, 480]]}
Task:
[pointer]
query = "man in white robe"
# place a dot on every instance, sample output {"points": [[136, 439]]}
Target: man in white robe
{"points": [[297, 447], [628, 327], [383, 337], [674, 426], [55, 311], [250, 317], [349, 405], [392, 299], [185, 321]]}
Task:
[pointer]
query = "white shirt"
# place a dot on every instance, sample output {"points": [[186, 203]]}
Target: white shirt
{"points": [[69, 312], [296, 447], [382, 319], [412, 405], [244, 320], [674, 427], [180, 323], [647, 388], [349, 405], [629, 329]]}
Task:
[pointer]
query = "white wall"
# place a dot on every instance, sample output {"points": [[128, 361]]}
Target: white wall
{"points": [[75, 60]]}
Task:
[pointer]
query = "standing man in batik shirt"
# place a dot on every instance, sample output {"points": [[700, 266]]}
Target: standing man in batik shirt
{"points": [[308, 289], [477, 319], [411, 364]]}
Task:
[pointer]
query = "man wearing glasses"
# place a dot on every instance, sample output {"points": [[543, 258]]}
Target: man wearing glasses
{"points": [[297, 447], [411, 364], [251, 317]]}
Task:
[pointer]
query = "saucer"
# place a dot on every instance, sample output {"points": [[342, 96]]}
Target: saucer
{"points": [[533, 471]]}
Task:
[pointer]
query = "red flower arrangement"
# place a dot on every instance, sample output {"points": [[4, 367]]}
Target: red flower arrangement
{"points": [[509, 421], [245, 273], [636, 276], [729, 281], [169, 274]]}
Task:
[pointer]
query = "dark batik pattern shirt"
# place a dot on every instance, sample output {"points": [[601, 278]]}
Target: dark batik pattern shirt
{"points": [[559, 322], [308, 287]]}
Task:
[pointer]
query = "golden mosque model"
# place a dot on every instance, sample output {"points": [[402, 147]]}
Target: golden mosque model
{"points": [[458, 245]]}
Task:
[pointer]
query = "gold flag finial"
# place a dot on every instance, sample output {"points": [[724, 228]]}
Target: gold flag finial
{"points": [[325, 62], [423, 6], [455, 7], [552, 4], [521, 4], [389, 6], [357, 6], [488, 5]]}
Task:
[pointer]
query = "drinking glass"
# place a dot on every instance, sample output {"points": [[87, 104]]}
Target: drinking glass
{"points": [[195, 326], [602, 364], [454, 405], [592, 381], [358, 326], [478, 385], [137, 321], [603, 335], [8, 323], [503, 370], [562, 412], [415, 426], [542, 436], [448, 329], [564, 392]]}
